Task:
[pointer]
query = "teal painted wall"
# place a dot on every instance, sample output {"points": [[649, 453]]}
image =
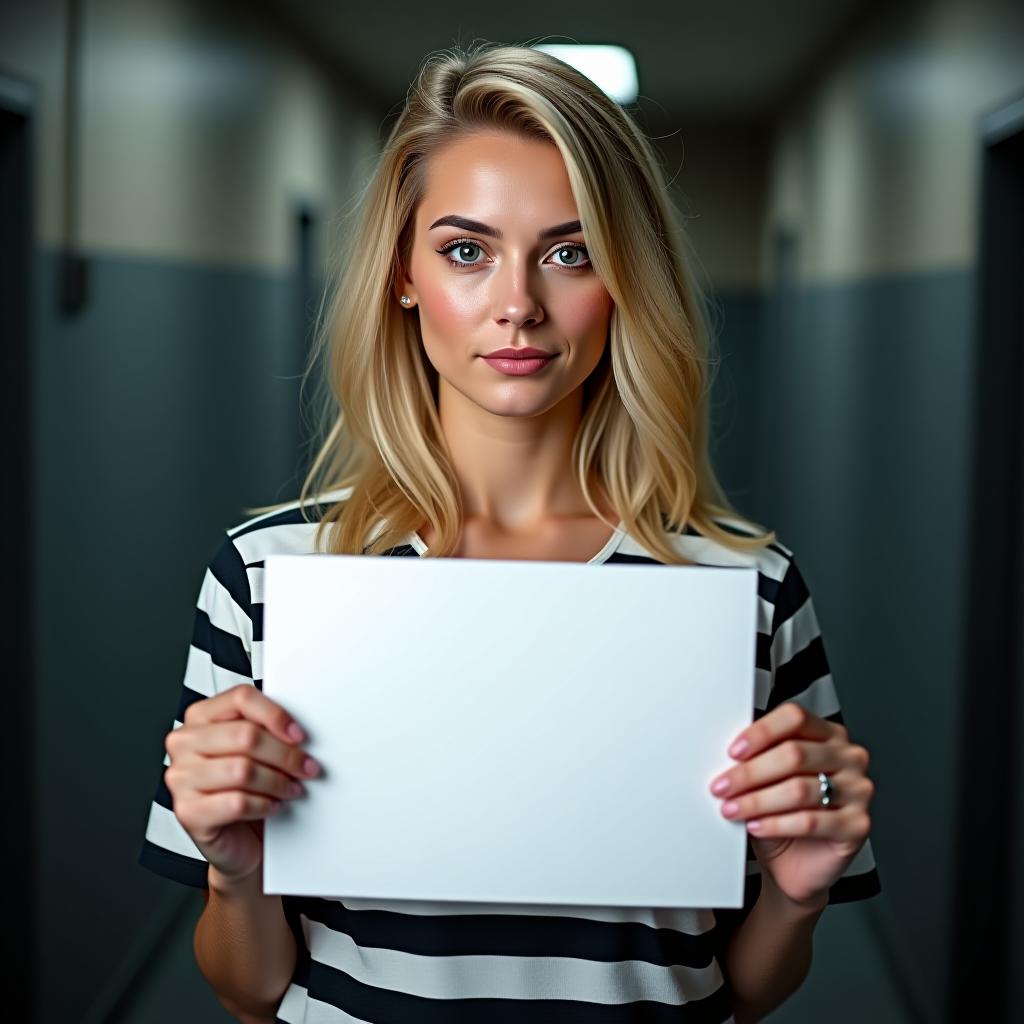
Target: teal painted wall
{"points": [[159, 413], [850, 436]]}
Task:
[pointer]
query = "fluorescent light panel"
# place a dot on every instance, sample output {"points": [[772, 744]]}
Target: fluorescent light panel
{"points": [[611, 68]]}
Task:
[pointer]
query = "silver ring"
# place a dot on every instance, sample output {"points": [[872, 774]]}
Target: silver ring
{"points": [[828, 791]]}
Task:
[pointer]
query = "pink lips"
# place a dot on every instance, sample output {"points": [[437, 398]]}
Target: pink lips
{"points": [[518, 362], [518, 367]]}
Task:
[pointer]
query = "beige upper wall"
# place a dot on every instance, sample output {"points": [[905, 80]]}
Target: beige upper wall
{"points": [[198, 131], [877, 168], [198, 128]]}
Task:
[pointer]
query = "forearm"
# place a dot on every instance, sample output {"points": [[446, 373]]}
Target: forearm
{"points": [[769, 955], [244, 946]]}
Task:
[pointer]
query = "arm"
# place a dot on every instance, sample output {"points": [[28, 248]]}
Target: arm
{"points": [[244, 947], [769, 955]]}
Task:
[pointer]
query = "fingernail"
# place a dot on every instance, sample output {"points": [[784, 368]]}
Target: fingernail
{"points": [[295, 789], [730, 807], [754, 826], [295, 731], [739, 748], [310, 767], [721, 786]]}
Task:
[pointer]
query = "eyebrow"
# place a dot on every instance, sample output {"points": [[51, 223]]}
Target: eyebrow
{"points": [[568, 228]]}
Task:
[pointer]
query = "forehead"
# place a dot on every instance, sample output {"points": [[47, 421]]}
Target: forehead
{"points": [[497, 174]]}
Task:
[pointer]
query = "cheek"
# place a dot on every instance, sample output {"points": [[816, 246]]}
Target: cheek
{"points": [[585, 314], [447, 307]]}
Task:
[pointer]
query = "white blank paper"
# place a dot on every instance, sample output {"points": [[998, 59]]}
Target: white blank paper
{"points": [[510, 731]]}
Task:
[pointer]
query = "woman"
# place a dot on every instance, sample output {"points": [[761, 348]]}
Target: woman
{"points": [[521, 362]]}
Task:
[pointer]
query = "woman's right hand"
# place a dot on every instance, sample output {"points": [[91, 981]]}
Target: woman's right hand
{"points": [[234, 759]]}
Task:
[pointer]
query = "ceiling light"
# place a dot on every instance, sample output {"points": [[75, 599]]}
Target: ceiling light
{"points": [[611, 68]]}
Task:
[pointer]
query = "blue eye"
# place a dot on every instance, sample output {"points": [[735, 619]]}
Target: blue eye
{"points": [[579, 250], [462, 244]]}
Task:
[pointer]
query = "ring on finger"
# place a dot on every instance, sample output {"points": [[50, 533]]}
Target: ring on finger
{"points": [[826, 790], [812, 795]]}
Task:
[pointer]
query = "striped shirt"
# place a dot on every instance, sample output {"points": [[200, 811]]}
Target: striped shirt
{"points": [[374, 960]]}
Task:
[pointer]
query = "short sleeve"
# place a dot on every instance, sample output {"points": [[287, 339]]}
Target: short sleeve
{"points": [[800, 672], [219, 657]]}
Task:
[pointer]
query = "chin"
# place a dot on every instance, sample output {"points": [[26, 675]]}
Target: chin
{"points": [[514, 408], [506, 399]]}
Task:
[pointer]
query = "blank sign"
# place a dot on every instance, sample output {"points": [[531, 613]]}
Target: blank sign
{"points": [[510, 731]]}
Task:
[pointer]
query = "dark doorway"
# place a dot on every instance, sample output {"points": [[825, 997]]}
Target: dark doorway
{"points": [[983, 984], [17, 201]]}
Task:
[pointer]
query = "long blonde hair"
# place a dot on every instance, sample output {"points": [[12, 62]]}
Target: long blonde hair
{"points": [[644, 430]]}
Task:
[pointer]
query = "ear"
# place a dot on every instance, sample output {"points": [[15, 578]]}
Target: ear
{"points": [[404, 286]]}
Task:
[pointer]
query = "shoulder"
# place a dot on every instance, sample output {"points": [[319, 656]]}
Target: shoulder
{"points": [[289, 529], [780, 586], [780, 580], [772, 560]]}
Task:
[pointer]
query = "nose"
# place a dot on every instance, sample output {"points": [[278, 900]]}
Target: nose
{"points": [[516, 302]]}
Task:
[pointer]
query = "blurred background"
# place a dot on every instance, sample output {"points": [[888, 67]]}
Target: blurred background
{"points": [[175, 179]]}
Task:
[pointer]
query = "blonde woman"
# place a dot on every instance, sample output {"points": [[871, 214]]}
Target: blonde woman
{"points": [[517, 367]]}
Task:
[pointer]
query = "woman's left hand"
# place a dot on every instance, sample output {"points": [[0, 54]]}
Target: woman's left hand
{"points": [[802, 846]]}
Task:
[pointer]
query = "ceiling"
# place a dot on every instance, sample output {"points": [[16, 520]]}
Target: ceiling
{"points": [[708, 60]]}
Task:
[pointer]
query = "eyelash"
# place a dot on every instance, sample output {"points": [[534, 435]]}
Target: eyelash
{"points": [[455, 243]]}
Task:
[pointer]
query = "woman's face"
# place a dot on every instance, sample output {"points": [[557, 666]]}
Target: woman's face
{"points": [[498, 261]]}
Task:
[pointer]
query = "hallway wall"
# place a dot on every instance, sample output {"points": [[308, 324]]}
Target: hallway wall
{"points": [[160, 410], [170, 403], [869, 394]]}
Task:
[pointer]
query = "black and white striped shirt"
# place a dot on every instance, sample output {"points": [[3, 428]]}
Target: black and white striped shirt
{"points": [[373, 960]]}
